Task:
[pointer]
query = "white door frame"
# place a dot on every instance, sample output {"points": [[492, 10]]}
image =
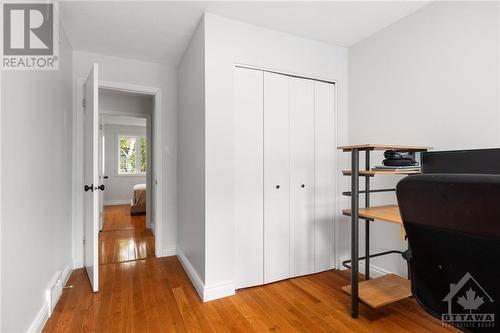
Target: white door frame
{"points": [[157, 179]]}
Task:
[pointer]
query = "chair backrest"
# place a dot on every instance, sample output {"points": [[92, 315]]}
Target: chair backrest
{"points": [[453, 226], [476, 161]]}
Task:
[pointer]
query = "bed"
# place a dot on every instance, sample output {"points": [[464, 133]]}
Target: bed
{"points": [[138, 202]]}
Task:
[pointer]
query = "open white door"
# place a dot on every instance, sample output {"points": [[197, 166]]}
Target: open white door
{"points": [[91, 176]]}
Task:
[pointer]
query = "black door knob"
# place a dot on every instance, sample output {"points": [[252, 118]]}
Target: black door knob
{"points": [[303, 185], [88, 188], [100, 187], [277, 186], [105, 177]]}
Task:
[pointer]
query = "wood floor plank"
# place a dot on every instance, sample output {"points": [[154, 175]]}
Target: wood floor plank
{"points": [[257, 318], [233, 318], [186, 310], [286, 321]]}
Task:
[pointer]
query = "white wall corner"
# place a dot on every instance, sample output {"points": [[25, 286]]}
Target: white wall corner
{"points": [[169, 251], [218, 291], [77, 263], [191, 272], [206, 293]]}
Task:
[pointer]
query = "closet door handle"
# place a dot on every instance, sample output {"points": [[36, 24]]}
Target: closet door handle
{"points": [[277, 187], [303, 185]]}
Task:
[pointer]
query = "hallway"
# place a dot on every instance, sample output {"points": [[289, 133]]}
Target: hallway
{"points": [[124, 237]]}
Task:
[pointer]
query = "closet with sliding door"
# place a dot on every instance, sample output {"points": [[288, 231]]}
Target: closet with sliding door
{"points": [[284, 176]]}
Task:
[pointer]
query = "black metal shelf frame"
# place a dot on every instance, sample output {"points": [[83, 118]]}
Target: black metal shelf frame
{"points": [[348, 193], [345, 263]]}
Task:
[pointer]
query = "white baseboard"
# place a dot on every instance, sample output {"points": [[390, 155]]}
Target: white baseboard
{"points": [[77, 264], [43, 315], [218, 291], [116, 202], [169, 251], [206, 293], [66, 274], [191, 272]]}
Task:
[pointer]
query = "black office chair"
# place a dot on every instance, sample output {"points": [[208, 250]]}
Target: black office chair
{"points": [[453, 226]]}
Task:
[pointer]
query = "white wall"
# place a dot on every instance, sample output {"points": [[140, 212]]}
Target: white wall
{"points": [[191, 243], [228, 43], [36, 188], [433, 79], [111, 101], [119, 188], [130, 71]]}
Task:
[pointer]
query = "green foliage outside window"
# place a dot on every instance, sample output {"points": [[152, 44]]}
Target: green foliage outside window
{"points": [[133, 154]]}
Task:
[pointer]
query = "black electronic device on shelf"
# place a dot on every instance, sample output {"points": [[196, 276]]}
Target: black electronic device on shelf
{"points": [[396, 159]]}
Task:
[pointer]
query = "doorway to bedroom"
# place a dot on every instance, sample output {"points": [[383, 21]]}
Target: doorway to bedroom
{"points": [[126, 229]]}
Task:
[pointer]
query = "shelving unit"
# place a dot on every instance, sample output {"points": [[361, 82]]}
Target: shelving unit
{"points": [[388, 288]]}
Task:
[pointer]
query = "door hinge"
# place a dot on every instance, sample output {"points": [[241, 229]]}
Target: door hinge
{"points": [[84, 241], [84, 103]]}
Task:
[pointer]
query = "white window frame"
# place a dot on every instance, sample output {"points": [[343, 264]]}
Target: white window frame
{"points": [[137, 155]]}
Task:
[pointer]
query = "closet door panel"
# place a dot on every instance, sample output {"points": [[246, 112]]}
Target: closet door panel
{"points": [[248, 177], [324, 174], [302, 225], [276, 178]]}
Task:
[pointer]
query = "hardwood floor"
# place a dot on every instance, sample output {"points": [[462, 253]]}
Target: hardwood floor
{"points": [[124, 237], [155, 295], [126, 245], [118, 217]]}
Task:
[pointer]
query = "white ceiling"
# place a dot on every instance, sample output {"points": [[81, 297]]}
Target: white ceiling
{"points": [[160, 31]]}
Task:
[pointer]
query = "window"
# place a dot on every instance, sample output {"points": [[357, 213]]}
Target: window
{"points": [[132, 152]]}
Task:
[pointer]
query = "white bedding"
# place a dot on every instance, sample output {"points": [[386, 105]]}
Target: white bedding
{"points": [[139, 187]]}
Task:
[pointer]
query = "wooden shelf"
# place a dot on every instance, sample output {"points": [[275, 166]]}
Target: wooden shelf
{"points": [[383, 290], [372, 173], [388, 213], [372, 146]]}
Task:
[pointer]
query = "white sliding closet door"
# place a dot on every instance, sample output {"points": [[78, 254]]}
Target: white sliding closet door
{"points": [[249, 177], [324, 137], [276, 178], [302, 228]]}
